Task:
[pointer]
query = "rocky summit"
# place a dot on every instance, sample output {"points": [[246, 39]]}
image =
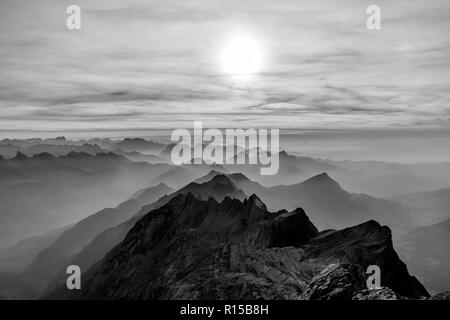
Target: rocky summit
{"points": [[205, 249]]}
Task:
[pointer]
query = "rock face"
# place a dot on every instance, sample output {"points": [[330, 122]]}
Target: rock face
{"points": [[377, 294], [218, 188], [197, 249], [291, 229], [336, 282], [343, 281], [94, 236], [368, 244]]}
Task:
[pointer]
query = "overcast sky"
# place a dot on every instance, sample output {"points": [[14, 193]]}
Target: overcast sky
{"points": [[156, 64]]}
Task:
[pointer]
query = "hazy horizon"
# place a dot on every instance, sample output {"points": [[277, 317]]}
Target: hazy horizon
{"points": [[399, 146]]}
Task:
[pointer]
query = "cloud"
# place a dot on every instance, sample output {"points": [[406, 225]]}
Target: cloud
{"points": [[150, 64]]}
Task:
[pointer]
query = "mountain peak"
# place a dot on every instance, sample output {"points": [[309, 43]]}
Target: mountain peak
{"points": [[376, 241], [222, 179], [43, 155], [219, 187], [110, 154], [20, 156], [74, 154], [139, 142], [322, 178], [211, 174], [208, 239], [254, 200], [161, 186], [219, 179], [322, 175], [238, 177]]}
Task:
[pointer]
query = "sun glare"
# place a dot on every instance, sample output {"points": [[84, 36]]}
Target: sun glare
{"points": [[242, 55]]}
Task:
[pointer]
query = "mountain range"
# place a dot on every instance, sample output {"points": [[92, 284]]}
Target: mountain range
{"points": [[196, 249], [43, 192], [77, 183], [88, 241]]}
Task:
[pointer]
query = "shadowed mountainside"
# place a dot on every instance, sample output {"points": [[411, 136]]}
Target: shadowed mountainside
{"points": [[72, 240], [195, 249], [218, 188], [319, 194]]}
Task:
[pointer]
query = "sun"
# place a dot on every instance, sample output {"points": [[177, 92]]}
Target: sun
{"points": [[242, 55]]}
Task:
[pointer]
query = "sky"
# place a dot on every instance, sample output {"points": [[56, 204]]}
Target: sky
{"points": [[139, 64]]}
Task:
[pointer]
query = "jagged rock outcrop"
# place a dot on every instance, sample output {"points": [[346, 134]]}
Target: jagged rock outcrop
{"points": [[377, 294], [196, 249], [336, 282], [218, 188], [367, 244], [291, 229]]}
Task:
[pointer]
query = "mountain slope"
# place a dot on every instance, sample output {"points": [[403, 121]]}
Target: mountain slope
{"points": [[218, 188], [383, 179], [328, 205], [53, 258], [425, 250], [44, 192], [18, 256], [194, 249], [434, 205]]}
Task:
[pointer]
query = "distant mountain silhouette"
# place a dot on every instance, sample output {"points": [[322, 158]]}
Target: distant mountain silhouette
{"points": [[111, 233], [9, 151], [20, 156], [42, 192], [432, 206], [176, 177], [50, 260], [425, 251], [219, 187], [195, 249], [18, 256], [208, 177], [151, 194], [328, 205], [137, 156], [180, 176], [140, 145], [384, 179]]}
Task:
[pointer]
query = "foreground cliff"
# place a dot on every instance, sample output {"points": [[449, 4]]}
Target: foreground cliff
{"points": [[194, 249]]}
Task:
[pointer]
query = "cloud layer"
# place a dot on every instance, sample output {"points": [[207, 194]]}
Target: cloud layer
{"points": [[155, 64]]}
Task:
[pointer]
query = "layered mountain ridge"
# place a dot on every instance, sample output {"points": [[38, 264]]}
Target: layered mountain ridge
{"points": [[205, 249]]}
